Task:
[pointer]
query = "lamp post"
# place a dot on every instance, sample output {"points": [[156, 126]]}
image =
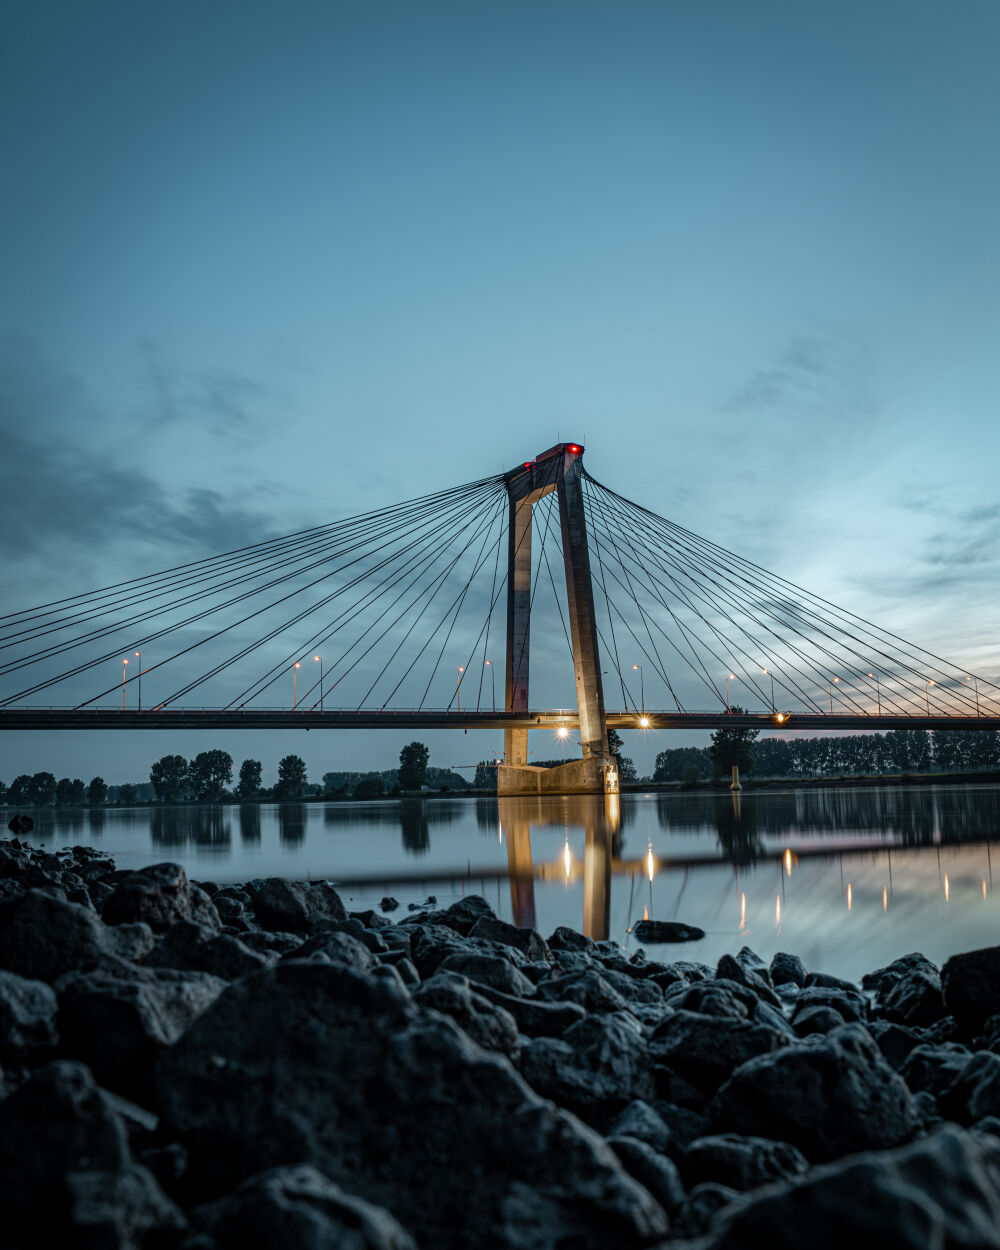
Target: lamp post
{"points": [[493, 678], [642, 688], [878, 691], [927, 695], [975, 681], [731, 677], [458, 687], [319, 660], [832, 684], [124, 667], [768, 673], [295, 672], [138, 655]]}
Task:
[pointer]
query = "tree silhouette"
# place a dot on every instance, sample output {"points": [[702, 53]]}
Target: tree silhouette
{"points": [[733, 746], [249, 783], [413, 766], [97, 792], [291, 777], [169, 777], [210, 772]]}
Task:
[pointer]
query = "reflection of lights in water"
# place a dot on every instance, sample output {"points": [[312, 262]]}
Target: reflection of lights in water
{"points": [[567, 858], [947, 888], [984, 887], [645, 913], [850, 896], [777, 909], [501, 834], [885, 899], [650, 862], [788, 862], [743, 912]]}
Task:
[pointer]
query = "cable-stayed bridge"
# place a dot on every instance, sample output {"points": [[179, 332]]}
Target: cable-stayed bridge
{"points": [[400, 618]]}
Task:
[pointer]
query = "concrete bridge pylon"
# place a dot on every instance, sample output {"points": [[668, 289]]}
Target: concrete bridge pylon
{"points": [[559, 469]]}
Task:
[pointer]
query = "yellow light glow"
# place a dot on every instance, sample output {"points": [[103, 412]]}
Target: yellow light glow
{"points": [[885, 899], [645, 913], [315, 657], [562, 732], [984, 887], [780, 717], [732, 676], [743, 911], [567, 858], [850, 896], [788, 862], [836, 679], [297, 664], [777, 909], [650, 863], [947, 888], [644, 722]]}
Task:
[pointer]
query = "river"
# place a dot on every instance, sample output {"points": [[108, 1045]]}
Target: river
{"points": [[847, 879]]}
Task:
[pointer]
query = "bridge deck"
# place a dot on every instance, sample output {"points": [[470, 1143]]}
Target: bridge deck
{"points": [[340, 718]]}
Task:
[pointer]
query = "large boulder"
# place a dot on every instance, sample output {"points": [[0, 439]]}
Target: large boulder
{"points": [[706, 1049], [42, 937], [654, 932], [971, 985], [487, 1024], [66, 1173], [118, 1024], [159, 895], [27, 1017], [189, 946], [932, 1069], [288, 1064], [527, 941], [534, 1016], [296, 906], [942, 1191], [296, 1208], [975, 1091], [491, 970], [915, 999], [828, 1096]]}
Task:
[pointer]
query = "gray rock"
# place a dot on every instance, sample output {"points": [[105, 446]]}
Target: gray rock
{"points": [[706, 1049], [159, 895], [731, 969], [297, 906], [286, 1066], [654, 1172], [852, 1005], [564, 939], [464, 915], [975, 1092], [389, 904], [942, 1191], [934, 1068], [703, 1204], [534, 1016], [829, 1096], [598, 1066], [297, 1208], [119, 1210], [656, 931], [338, 948], [883, 979], [816, 1020], [915, 999], [527, 941], [640, 1121], [42, 937], [971, 985], [490, 970], [487, 1024], [590, 989], [894, 1041], [118, 1026], [715, 998], [741, 1163], [187, 945], [27, 1017], [824, 981]]}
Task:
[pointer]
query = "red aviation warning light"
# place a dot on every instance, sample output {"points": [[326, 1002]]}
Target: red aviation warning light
{"points": [[574, 449]]}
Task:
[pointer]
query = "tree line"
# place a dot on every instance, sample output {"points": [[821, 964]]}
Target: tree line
{"points": [[897, 751], [208, 778]]}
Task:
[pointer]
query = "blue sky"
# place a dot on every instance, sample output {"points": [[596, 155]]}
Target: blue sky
{"points": [[266, 265]]}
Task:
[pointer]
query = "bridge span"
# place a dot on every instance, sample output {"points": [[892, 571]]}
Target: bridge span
{"points": [[429, 718]]}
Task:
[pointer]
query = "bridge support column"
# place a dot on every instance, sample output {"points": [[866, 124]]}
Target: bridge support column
{"points": [[558, 469]]}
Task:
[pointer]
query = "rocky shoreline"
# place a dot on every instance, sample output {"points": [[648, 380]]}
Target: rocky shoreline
{"points": [[193, 1068]]}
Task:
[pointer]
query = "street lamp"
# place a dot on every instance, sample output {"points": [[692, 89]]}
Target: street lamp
{"points": [[319, 660], [124, 666], [832, 684], [642, 689], [493, 679], [139, 658], [461, 670], [295, 672], [731, 677], [975, 680], [927, 695], [878, 691], [767, 673]]}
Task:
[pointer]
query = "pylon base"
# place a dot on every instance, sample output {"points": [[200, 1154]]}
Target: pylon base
{"points": [[593, 775]]}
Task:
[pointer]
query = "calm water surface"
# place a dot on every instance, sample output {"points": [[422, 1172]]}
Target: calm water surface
{"points": [[847, 879]]}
